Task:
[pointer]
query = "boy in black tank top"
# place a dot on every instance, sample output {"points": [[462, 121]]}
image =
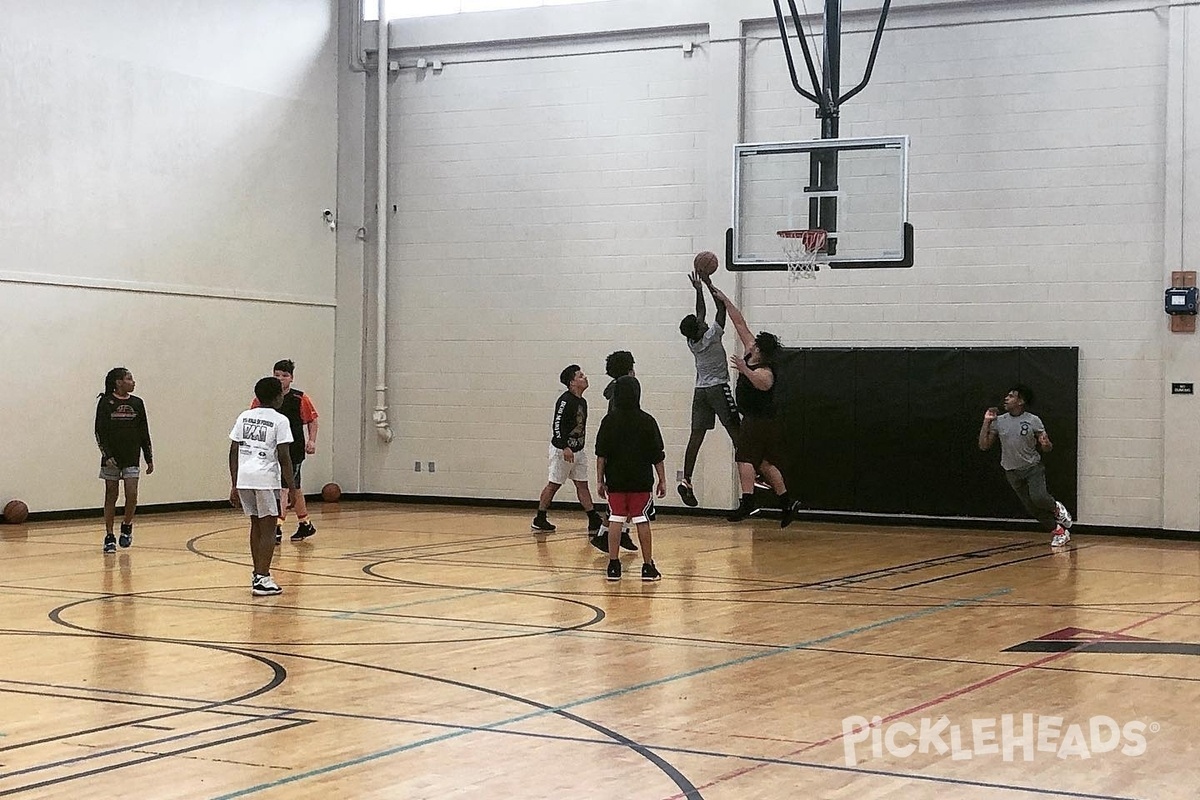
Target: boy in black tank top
{"points": [[759, 447]]}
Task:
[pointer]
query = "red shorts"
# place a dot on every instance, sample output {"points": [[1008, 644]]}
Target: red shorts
{"points": [[630, 506]]}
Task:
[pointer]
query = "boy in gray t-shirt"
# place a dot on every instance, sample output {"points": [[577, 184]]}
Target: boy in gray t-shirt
{"points": [[712, 398], [1023, 439]]}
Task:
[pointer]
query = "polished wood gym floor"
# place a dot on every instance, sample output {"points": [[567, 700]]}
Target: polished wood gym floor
{"points": [[446, 652]]}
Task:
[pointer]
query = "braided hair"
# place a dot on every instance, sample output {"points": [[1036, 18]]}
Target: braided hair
{"points": [[110, 380]]}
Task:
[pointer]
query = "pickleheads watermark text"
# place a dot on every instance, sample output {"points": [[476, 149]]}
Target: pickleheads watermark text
{"points": [[1010, 737]]}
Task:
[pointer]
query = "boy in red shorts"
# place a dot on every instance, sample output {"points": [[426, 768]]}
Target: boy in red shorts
{"points": [[629, 450]]}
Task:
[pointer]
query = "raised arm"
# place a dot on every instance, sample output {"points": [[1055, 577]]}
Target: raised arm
{"points": [[987, 436], [720, 307], [698, 285], [735, 314]]}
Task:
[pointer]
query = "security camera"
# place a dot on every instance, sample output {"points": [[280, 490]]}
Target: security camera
{"points": [[327, 215]]}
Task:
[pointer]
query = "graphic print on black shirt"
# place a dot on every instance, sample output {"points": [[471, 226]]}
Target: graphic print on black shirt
{"points": [[122, 430], [570, 422]]}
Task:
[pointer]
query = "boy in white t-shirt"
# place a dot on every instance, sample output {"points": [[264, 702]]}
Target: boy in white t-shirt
{"points": [[259, 461]]}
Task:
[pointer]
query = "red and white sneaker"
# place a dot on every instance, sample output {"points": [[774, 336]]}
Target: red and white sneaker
{"points": [[1061, 537]]}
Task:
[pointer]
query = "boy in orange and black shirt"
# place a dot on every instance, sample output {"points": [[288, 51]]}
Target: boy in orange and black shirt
{"points": [[302, 414]]}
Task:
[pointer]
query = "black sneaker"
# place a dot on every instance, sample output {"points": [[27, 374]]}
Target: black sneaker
{"points": [[600, 541], [650, 572], [627, 542], [278, 535], [744, 509], [305, 530], [126, 535], [614, 570], [540, 523], [789, 514], [110, 543], [595, 522], [687, 494]]}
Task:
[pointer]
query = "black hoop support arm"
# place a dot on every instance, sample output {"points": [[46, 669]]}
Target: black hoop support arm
{"points": [[813, 96], [874, 52]]}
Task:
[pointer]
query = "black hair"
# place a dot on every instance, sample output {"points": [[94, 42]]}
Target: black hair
{"points": [[618, 364], [567, 375], [768, 344], [110, 380], [1024, 391], [689, 326], [267, 390], [285, 365]]}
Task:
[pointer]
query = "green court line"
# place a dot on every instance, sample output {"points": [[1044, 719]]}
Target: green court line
{"points": [[611, 694]]}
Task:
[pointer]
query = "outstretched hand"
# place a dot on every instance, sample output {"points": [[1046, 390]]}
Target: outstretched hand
{"points": [[694, 277]]}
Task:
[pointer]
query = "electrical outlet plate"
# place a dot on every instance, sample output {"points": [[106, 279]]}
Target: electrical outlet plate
{"points": [[432, 466], [416, 466]]}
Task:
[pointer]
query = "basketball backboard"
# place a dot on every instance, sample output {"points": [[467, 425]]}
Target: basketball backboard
{"points": [[854, 188]]}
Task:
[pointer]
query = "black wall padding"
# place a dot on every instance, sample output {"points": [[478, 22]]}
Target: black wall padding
{"points": [[894, 430]]}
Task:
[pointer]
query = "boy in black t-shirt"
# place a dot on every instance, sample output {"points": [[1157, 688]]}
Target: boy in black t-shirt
{"points": [[568, 459], [629, 450]]}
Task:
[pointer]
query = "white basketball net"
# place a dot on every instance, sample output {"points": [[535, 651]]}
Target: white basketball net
{"points": [[801, 250]]}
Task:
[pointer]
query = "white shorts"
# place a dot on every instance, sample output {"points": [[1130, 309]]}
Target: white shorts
{"points": [[259, 502], [562, 471]]}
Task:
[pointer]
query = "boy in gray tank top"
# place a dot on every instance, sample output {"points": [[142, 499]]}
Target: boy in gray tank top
{"points": [[711, 399], [1023, 439]]}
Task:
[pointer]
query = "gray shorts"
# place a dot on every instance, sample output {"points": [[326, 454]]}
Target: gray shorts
{"points": [[710, 403], [259, 502], [108, 473]]}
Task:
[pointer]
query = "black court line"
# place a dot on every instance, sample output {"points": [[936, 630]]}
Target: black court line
{"points": [[112, 701], [1050, 554], [179, 737], [677, 777], [278, 676], [604, 742], [153, 757]]}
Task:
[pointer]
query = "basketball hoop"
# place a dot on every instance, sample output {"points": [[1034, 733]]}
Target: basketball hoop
{"points": [[801, 250]]}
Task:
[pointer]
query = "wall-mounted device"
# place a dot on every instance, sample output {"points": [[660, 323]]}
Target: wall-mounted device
{"points": [[1181, 300]]}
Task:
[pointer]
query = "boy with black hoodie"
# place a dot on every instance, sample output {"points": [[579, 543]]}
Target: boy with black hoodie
{"points": [[629, 450]]}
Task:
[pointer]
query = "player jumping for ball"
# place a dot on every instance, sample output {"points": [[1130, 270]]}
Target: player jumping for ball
{"points": [[711, 399]]}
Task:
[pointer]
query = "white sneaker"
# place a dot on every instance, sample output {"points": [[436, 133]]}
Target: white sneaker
{"points": [[1061, 515], [1061, 537], [264, 585]]}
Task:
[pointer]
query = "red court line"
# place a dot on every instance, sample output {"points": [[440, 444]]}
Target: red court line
{"points": [[939, 699]]}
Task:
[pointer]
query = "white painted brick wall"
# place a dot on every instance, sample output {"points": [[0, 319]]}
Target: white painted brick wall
{"points": [[1044, 132], [548, 207], [548, 210]]}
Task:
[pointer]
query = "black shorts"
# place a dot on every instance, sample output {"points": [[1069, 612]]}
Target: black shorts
{"points": [[710, 403], [759, 441], [296, 465]]}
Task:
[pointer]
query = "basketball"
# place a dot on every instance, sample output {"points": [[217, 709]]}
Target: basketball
{"points": [[16, 512], [706, 262], [331, 493]]}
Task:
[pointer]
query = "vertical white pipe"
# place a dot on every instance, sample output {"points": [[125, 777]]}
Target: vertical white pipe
{"points": [[381, 219]]}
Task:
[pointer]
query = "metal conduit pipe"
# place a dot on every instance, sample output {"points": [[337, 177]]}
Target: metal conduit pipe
{"points": [[381, 260]]}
